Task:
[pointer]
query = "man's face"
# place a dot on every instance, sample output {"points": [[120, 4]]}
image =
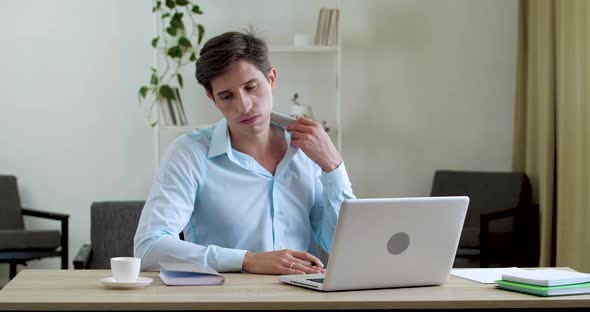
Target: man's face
{"points": [[243, 94]]}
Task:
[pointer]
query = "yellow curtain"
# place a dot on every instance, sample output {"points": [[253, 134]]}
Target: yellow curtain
{"points": [[552, 133], [573, 134]]}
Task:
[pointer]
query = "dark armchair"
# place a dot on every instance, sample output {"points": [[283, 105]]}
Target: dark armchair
{"points": [[17, 245], [112, 228], [502, 226]]}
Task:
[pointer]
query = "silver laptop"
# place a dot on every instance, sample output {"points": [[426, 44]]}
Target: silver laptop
{"points": [[391, 242]]}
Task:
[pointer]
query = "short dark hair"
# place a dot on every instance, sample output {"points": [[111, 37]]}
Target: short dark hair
{"points": [[221, 51]]}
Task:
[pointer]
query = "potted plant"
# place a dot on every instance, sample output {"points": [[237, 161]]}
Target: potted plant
{"points": [[300, 110], [177, 43]]}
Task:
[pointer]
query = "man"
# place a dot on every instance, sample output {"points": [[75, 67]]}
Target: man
{"points": [[248, 196]]}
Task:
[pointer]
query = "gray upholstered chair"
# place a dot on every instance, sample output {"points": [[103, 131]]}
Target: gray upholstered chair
{"points": [[17, 245], [112, 227], [502, 225]]}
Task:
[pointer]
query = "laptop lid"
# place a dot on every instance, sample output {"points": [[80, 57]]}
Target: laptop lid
{"points": [[394, 242]]}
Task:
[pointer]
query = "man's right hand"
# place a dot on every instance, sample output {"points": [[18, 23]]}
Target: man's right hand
{"points": [[282, 262]]}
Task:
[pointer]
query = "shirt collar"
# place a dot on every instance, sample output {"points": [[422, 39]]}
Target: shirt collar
{"points": [[220, 140]]}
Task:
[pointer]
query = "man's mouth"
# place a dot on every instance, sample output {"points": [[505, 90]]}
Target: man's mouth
{"points": [[249, 119]]}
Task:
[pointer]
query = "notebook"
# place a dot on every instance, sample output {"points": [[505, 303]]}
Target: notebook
{"points": [[547, 277], [391, 242], [545, 291], [189, 274]]}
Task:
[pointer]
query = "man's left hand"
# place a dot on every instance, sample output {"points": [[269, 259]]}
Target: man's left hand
{"points": [[311, 138]]}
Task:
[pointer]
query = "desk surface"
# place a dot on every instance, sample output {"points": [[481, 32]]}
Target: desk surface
{"points": [[81, 290]]}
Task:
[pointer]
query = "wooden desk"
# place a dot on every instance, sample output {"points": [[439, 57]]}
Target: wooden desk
{"points": [[81, 290]]}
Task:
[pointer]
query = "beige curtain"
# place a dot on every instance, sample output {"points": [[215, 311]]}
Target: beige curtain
{"points": [[552, 133]]}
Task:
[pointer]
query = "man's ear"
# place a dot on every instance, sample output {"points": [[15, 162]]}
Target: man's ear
{"points": [[272, 77]]}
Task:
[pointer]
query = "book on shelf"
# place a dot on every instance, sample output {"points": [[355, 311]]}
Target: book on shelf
{"points": [[173, 111], [318, 29], [193, 273], [167, 108], [181, 113], [571, 289], [176, 116], [327, 27], [333, 28]]}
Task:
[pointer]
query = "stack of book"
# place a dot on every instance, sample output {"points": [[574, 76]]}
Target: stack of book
{"points": [[546, 282], [327, 27]]}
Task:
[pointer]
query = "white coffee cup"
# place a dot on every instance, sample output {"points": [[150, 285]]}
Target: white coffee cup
{"points": [[125, 269]]}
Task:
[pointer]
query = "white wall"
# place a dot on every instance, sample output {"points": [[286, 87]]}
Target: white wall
{"points": [[426, 84], [71, 128]]}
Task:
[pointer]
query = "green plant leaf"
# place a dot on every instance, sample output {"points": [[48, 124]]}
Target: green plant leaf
{"points": [[166, 92], [201, 32], [179, 45], [171, 31], [183, 41], [179, 77], [157, 6], [176, 23], [174, 52], [143, 91], [196, 9]]}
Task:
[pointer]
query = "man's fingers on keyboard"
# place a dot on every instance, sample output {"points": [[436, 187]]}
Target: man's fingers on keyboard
{"points": [[308, 257], [312, 270], [308, 265], [294, 268], [307, 268], [313, 266]]}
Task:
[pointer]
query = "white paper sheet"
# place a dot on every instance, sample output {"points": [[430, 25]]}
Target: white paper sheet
{"points": [[484, 275]]}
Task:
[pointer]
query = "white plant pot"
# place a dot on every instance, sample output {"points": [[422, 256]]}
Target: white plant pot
{"points": [[302, 111]]}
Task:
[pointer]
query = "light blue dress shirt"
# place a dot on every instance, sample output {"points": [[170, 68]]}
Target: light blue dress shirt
{"points": [[227, 204]]}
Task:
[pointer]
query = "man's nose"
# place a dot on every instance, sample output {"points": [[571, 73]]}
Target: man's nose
{"points": [[244, 103]]}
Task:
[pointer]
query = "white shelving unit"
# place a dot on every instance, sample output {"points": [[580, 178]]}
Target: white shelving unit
{"points": [[312, 71], [331, 54]]}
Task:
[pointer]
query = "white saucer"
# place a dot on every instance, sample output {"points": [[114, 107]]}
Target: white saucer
{"points": [[112, 283]]}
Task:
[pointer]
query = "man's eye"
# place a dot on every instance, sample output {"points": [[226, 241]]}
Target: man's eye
{"points": [[226, 97], [250, 87]]}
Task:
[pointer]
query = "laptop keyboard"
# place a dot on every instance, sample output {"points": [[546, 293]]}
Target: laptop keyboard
{"points": [[317, 280]]}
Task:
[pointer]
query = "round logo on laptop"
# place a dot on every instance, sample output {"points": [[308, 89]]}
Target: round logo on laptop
{"points": [[398, 243]]}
